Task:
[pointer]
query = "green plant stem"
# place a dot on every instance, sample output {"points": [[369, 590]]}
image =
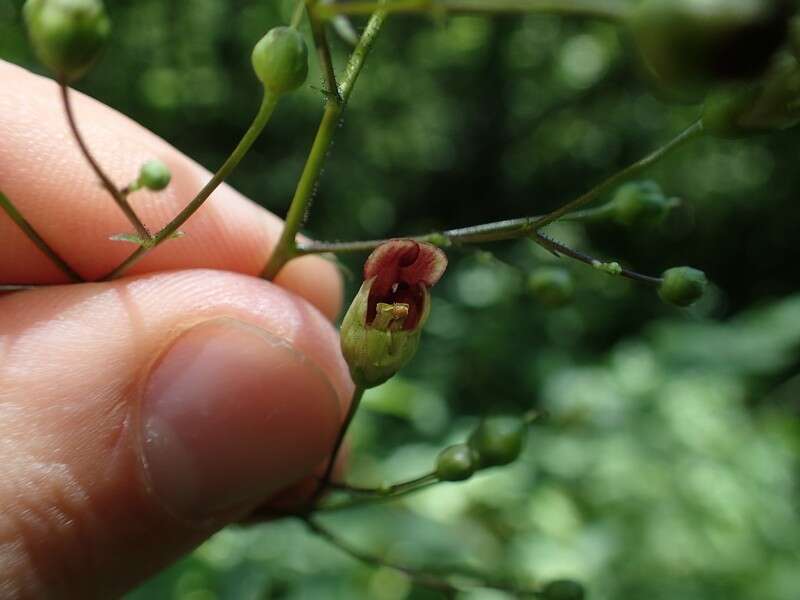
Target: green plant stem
{"points": [[419, 577], [558, 248], [379, 498], [324, 54], [515, 228], [688, 134], [297, 15], [268, 103], [598, 9], [286, 248], [355, 402], [37, 239], [119, 197], [385, 490]]}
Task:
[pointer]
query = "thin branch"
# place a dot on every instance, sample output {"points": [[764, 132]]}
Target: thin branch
{"points": [[422, 484], [265, 111], [558, 249], [38, 240], [416, 576], [297, 15], [286, 248], [419, 577], [690, 133], [119, 197], [597, 9], [384, 490], [358, 394], [516, 228], [324, 54]]}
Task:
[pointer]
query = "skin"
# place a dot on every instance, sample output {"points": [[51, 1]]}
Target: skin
{"points": [[89, 510]]}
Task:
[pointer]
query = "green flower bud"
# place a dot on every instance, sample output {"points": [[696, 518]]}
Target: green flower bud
{"points": [[769, 105], [640, 203], [552, 286], [498, 441], [682, 286], [154, 175], [692, 43], [563, 589], [67, 35], [381, 331], [456, 463], [280, 60]]}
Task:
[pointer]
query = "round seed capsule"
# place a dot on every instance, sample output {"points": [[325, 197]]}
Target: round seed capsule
{"points": [[682, 286], [498, 441], [67, 35], [455, 463], [154, 175], [280, 60]]}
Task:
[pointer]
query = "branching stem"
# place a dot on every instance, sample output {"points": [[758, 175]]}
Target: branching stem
{"points": [[516, 228], [419, 577], [286, 248], [265, 111], [558, 248], [119, 197]]}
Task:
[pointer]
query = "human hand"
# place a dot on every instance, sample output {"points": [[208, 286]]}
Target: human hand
{"points": [[139, 416]]}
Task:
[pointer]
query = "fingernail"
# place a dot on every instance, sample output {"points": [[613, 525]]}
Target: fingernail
{"points": [[232, 414]]}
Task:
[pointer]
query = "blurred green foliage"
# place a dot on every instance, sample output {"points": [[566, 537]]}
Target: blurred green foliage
{"points": [[669, 465]]}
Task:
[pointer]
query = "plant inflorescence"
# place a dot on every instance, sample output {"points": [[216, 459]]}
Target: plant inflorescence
{"points": [[739, 57]]}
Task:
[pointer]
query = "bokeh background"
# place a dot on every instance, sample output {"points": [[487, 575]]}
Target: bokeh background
{"points": [[669, 465]]}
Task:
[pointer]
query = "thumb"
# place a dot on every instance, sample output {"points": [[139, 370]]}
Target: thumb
{"points": [[138, 417]]}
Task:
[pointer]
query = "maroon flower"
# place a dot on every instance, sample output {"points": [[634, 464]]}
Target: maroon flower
{"points": [[403, 270], [381, 331]]}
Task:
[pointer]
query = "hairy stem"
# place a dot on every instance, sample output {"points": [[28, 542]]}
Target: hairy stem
{"points": [[265, 111], [324, 54], [286, 248], [355, 402], [515, 228], [558, 248], [119, 197], [598, 9], [33, 235]]}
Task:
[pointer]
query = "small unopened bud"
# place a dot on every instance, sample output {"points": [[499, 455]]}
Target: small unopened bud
{"points": [[154, 175], [498, 441], [381, 331], [456, 463], [682, 286], [563, 589], [67, 35], [280, 60], [640, 203]]}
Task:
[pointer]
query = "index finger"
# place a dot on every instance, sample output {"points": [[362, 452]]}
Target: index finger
{"points": [[44, 174]]}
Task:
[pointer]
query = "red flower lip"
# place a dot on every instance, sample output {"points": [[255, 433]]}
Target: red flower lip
{"points": [[402, 271]]}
